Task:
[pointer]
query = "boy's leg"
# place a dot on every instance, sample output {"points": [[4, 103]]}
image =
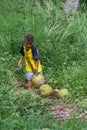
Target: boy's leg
{"points": [[29, 76], [29, 84]]}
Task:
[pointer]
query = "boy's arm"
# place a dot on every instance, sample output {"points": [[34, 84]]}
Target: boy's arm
{"points": [[20, 61], [22, 55], [36, 57], [36, 68]]}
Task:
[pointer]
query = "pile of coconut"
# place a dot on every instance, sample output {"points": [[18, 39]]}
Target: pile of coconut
{"points": [[46, 90]]}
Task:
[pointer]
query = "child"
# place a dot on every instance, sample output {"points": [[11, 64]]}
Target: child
{"points": [[32, 62]]}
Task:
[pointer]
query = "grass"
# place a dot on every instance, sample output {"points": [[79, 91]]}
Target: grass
{"points": [[61, 40]]}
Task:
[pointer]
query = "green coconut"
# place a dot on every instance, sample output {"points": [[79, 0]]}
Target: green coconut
{"points": [[45, 90], [38, 80], [63, 93]]}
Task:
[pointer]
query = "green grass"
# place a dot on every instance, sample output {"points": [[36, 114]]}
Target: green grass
{"points": [[61, 40]]}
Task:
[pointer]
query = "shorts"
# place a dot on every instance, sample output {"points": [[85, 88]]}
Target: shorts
{"points": [[29, 75]]}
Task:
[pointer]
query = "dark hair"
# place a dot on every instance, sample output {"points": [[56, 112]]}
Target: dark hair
{"points": [[29, 37]]}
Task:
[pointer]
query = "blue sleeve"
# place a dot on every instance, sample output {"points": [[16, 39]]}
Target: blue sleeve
{"points": [[22, 50], [35, 53]]}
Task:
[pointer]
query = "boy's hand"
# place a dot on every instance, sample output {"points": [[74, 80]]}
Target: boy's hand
{"points": [[36, 70], [20, 63]]}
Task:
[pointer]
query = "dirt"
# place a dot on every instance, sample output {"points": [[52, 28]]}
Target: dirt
{"points": [[67, 110]]}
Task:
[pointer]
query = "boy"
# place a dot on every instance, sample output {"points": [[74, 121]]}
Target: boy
{"points": [[32, 62]]}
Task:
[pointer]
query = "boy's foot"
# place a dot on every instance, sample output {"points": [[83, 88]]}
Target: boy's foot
{"points": [[29, 88]]}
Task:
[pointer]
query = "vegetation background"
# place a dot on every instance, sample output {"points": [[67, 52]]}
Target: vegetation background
{"points": [[62, 43]]}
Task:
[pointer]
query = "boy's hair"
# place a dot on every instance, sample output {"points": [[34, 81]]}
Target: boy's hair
{"points": [[29, 37]]}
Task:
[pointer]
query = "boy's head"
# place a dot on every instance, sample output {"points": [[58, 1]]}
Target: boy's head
{"points": [[29, 39]]}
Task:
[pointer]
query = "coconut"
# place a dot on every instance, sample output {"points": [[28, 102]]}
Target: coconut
{"points": [[38, 80], [62, 93], [55, 92], [45, 90]]}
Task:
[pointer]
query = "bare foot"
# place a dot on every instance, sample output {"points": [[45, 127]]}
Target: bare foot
{"points": [[29, 88]]}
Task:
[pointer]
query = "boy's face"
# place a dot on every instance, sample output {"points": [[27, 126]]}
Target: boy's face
{"points": [[28, 44]]}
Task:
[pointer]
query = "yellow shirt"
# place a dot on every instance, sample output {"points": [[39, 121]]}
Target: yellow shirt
{"points": [[30, 62]]}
